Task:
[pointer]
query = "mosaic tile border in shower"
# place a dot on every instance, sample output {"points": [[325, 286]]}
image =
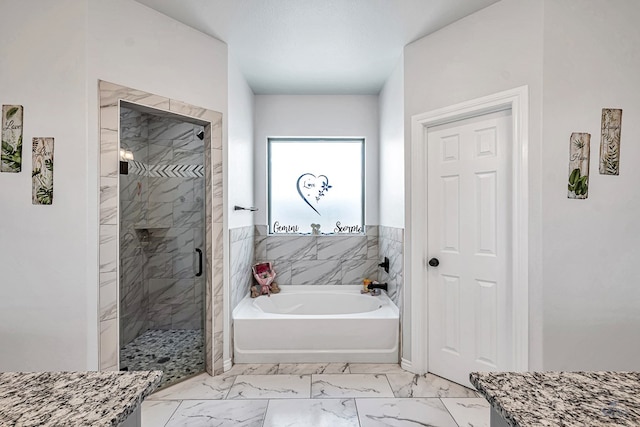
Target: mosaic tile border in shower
{"points": [[176, 171], [165, 171], [111, 96]]}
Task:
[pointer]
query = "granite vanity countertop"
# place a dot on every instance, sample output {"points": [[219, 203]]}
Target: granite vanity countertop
{"points": [[72, 399], [562, 398]]}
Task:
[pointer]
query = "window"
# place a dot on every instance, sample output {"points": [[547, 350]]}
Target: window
{"points": [[316, 186]]}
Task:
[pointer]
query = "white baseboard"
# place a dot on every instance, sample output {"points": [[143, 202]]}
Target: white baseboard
{"points": [[406, 365], [227, 364]]}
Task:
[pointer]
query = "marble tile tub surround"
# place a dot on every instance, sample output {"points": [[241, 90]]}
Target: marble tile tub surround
{"points": [[320, 260], [331, 260], [111, 96], [391, 245], [333, 394], [241, 248]]}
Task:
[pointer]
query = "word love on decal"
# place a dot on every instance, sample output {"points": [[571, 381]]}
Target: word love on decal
{"points": [[277, 228], [347, 228]]}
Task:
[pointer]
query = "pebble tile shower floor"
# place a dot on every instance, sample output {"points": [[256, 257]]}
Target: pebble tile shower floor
{"points": [[176, 352], [315, 395]]}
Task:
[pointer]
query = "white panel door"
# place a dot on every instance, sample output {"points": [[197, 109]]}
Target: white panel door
{"points": [[469, 221]]}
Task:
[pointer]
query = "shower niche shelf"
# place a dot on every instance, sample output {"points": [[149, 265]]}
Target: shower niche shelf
{"points": [[151, 228], [144, 232]]}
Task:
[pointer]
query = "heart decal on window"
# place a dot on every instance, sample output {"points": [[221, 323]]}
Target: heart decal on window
{"points": [[312, 188]]}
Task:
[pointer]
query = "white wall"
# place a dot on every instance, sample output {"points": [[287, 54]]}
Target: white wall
{"points": [[495, 49], [391, 161], [52, 57], [43, 249], [591, 247], [132, 45], [317, 116], [240, 153]]}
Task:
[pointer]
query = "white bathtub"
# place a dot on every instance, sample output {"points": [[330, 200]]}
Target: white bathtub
{"points": [[307, 324]]}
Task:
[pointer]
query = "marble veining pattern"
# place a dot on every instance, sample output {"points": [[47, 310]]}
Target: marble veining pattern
{"points": [[108, 334], [469, 412], [353, 385], [108, 298], [325, 272], [291, 248], [320, 260], [312, 412], [391, 245], [403, 412], [241, 248], [375, 368], [530, 399], [270, 387], [71, 399], [313, 368], [155, 413], [202, 386], [428, 385], [108, 200], [342, 247], [227, 413], [272, 396], [253, 369]]}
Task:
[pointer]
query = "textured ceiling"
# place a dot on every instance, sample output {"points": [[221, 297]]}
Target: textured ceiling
{"points": [[316, 46]]}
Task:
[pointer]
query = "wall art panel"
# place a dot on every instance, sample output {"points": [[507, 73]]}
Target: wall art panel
{"points": [[42, 171], [11, 158], [610, 141], [579, 165]]}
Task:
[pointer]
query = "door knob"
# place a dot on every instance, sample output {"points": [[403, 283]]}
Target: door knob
{"points": [[433, 262]]}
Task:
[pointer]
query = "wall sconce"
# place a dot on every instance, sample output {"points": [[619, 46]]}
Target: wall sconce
{"points": [[125, 155]]}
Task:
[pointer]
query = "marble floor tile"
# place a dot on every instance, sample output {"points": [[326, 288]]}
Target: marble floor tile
{"points": [[313, 368], [202, 386], [252, 369], [271, 387], [469, 412], [219, 413], [312, 412], [156, 413], [428, 385], [403, 412], [353, 385], [376, 368]]}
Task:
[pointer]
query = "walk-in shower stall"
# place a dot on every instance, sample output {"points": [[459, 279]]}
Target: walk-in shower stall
{"points": [[161, 243]]}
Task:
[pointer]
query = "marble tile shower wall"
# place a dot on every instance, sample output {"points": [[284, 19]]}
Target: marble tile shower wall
{"points": [[158, 286], [320, 260], [134, 289], [176, 216]]}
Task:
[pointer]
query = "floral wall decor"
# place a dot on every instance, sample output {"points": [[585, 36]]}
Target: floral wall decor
{"points": [[11, 157], [42, 171], [610, 141], [579, 165]]}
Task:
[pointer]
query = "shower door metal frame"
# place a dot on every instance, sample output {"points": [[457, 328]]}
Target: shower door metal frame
{"points": [[108, 301]]}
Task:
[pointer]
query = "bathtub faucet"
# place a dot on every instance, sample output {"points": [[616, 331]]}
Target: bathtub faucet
{"points": [[377, 286]]}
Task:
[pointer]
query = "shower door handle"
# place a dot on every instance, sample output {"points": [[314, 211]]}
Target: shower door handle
{"points": [[199, 273]]}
